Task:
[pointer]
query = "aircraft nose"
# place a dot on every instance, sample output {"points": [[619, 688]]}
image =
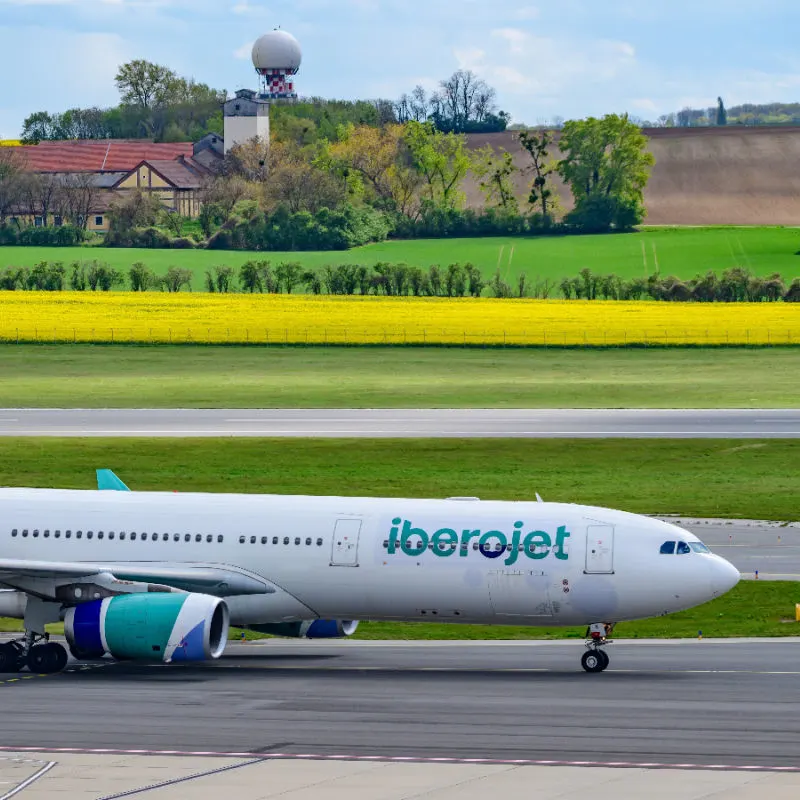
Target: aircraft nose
{"points": [[724, 576]]}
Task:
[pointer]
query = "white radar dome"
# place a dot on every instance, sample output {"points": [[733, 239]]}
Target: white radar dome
{"points": [[277, 50]]}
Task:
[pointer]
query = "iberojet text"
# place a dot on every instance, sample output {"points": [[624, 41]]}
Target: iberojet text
{"points": [[445, 542]]}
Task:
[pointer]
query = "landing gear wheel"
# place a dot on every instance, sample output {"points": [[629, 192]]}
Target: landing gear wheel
{"points": [[46, 659], [594, 661], [10, 660], [59, 657]]}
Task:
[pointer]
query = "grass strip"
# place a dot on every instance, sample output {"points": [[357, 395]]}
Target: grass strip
{"points": [[87, 376], [751, 609], [711, 478]]}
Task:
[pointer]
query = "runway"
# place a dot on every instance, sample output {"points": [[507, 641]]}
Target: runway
{"points": [[428, 423], [660, 703], [770, 549]]}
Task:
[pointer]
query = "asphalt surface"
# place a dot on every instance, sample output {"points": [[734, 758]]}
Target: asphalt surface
{"points": [[770, 549], [693, 701], [551, 423]]}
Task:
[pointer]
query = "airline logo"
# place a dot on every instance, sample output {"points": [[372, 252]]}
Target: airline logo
{"points": [[412, 540]]}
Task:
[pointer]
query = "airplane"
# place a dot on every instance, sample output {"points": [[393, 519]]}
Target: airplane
{"points": [[161, 577]]}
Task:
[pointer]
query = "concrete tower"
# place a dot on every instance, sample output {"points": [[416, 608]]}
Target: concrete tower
{"points": [[276, 58]]}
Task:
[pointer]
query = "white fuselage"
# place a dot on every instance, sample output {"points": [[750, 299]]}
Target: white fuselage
{"points": [[522, 563]]}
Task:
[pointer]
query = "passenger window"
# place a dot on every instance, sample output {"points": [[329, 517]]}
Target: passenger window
{"points": [[25, 533], [133, 536], [187, 537], [264, 540], [176, 537], [241, 540], [68, 534], [297, 540], [209, 538], [78, 534], [252, 540], [274, 540], [286, 540], [89, 534], [198, 537], [319, 542], [308, 541], [47, 534], [683, 548], [122, 535], [165, 537], [100, 534], [220, 539], [111, 534], [668, 548], [35, 533], [14, 532]]}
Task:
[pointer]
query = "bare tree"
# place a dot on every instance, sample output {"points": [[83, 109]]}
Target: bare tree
{"points": [[77, 197], [420, 106], [12, 178], [40, 192]]}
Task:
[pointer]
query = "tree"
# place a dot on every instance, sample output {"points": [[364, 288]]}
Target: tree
{"points": [[37, 127], [441, 159], [77, 198], [376, 160], [541, 194], [606, 165], [12, 177], [137, 210], [495, 173], [722, 114], [142, 83]]}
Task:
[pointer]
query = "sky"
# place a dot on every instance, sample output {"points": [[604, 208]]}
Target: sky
{"points": [[571, 58]]}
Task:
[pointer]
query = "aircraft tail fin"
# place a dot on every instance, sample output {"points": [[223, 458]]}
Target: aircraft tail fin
{"points": [[108, 481]]}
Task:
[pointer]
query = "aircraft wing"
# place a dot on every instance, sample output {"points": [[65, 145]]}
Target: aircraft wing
{"points": [[35, 576]]}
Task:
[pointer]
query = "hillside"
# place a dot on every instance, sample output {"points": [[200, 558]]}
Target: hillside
{"points": [[703, 176]]}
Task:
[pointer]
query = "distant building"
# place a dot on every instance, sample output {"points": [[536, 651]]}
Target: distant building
{"points": [[174, 173]]}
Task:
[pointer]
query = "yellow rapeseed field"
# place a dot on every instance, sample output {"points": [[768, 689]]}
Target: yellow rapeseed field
{"points": [[300, 319]]}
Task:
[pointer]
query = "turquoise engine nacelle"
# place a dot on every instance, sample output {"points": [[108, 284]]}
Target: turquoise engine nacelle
{"points": [[149, 627], [310, 629]]}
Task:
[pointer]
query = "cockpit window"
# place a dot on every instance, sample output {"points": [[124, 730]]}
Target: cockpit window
{"points": [[683, 548], [668, 548], [699, 547]]}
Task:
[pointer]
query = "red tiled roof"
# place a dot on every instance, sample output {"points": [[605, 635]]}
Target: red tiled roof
{"points": [[114, 155]]}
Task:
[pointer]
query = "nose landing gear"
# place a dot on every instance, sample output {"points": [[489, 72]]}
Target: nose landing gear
{"points": [[595, 659]]}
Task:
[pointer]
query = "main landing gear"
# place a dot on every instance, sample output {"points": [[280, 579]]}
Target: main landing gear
{"points": [[35, 652], [595, 659]]}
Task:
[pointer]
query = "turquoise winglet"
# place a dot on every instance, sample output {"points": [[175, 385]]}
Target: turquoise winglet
{"points": [[108, 481]]}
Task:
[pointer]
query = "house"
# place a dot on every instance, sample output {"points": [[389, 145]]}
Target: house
{"points": [[174, 173]]}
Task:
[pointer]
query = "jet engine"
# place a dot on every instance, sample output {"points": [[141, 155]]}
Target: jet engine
{"points": [[149, 627], [310, 629]]}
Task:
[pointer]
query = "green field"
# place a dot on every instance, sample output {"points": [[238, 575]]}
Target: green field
{"points": [[751, 609], [683, 252], [707, 478], [87, 376]]}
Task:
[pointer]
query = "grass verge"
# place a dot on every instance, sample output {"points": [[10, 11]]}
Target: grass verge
{"points": [[713, 478], [87, 376], [750, 609]]}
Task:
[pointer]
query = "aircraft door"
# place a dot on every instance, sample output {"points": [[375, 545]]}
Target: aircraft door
{"points": [[344, 548], [599, 549]]}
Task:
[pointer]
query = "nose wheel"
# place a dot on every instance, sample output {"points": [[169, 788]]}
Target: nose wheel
{"points": [[595, 659]]}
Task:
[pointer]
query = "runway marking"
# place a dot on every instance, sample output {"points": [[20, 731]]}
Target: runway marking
{"points": [[492, 670], [26, 783], [523, 762], [175, 781]]}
